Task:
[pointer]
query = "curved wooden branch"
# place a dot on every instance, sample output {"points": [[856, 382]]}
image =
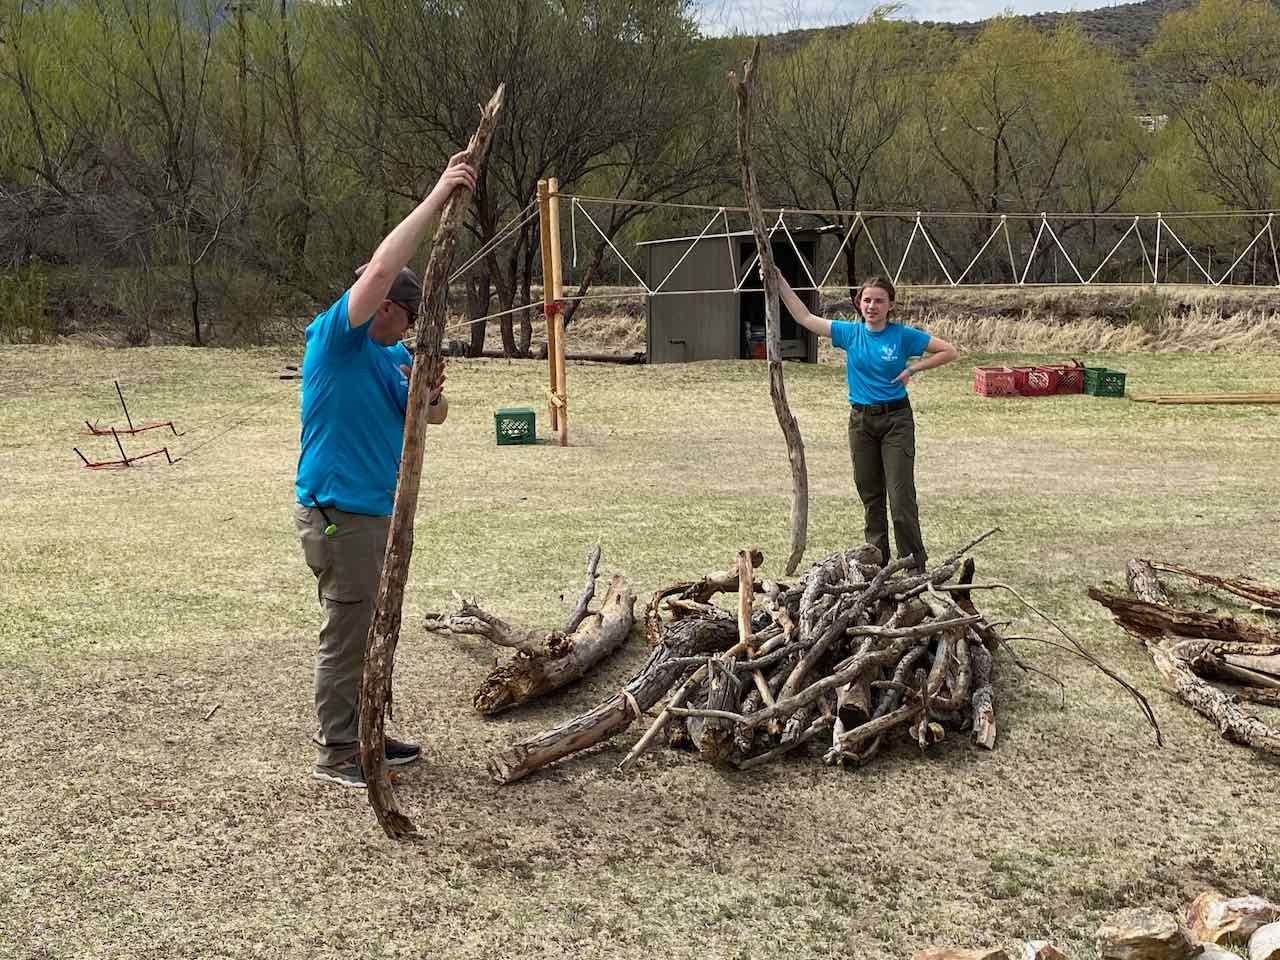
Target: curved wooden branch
{"points": [[773, 339], [699, 591], [475, 621], [384, 631], [588, 591], [1245, 587]]}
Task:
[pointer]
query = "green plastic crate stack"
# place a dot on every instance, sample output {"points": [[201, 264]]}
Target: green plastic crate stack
{"points": [[515, 425], [1102, 382]]}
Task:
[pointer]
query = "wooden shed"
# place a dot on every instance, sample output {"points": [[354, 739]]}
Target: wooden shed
{"points": [[723, 325]]}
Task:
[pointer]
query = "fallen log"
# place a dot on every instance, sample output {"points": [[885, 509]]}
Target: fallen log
{"points": [[1157, 619], [543, 662], [1175, 639], [683, 638]]}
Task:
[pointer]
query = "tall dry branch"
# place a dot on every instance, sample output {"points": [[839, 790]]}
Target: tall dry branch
{"points": [[773, 337], [384, 632]]}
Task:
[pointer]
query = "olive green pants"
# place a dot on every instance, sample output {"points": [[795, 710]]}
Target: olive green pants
{"points": [[348, 567], [883, 448]]}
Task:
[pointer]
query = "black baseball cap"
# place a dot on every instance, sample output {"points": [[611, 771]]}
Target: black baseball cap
{"points": [[405, 288]]}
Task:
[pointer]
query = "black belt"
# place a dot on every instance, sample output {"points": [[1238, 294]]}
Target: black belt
{"points": [[902, 403]]}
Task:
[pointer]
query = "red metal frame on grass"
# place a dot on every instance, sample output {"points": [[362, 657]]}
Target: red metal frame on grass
{"points": [[125, 460], [94, 430]]}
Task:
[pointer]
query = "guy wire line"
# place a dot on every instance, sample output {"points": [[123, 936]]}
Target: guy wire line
{"points": [[258, 404], [524, 216]]}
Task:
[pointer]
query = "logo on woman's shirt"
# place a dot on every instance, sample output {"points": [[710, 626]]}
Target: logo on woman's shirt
{"points": [[888, 352]]}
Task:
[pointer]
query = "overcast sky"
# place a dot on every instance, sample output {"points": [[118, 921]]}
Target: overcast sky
{"points": [[773, 16]]}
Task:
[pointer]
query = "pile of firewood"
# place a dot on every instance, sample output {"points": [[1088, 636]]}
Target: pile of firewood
{"points": [[844, 656]]}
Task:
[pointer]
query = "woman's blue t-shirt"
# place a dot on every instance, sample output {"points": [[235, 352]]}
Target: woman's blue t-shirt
{"points": [[353, 403], [874, 359]]}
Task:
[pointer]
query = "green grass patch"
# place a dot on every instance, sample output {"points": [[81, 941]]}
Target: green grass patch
{"points": [[135, 600]]}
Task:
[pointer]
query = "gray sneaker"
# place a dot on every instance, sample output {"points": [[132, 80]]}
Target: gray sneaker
{"points": [[345, 774], [398, 752]]}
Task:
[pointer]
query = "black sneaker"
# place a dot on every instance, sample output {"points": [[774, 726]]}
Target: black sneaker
{"points": [[345, 774], [398, 753]]}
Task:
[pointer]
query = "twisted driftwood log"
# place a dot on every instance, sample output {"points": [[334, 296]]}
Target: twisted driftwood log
{"points": [[852, 650], [1189, 648], [384, 631], [544, 661]]}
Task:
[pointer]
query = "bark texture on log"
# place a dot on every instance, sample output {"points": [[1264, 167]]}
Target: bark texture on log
{"points": [[984, 721], [561, 659], [384, 632], [1156, 619], [684, 638], [1174, 638], [743, 89]]}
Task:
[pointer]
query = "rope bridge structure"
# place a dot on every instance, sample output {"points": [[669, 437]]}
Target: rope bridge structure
{"points": [[911, 248]]}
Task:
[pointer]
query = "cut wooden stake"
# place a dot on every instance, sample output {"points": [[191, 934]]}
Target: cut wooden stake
{"points": [[549, 303], [384, 631], [561, 387], [773, 336]]}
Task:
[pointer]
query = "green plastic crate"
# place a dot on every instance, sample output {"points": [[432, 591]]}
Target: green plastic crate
{"points": [[1102, 382], [515, 425]]}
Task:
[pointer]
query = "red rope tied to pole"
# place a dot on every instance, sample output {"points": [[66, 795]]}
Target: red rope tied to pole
{"points": [[553, 309]]}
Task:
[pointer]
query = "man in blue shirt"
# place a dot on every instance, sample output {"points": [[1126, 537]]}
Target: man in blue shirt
{"points": [[881, 359], [355, 388]]}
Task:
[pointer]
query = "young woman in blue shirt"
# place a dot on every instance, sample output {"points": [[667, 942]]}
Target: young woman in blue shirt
{"points": [[881, 359]]}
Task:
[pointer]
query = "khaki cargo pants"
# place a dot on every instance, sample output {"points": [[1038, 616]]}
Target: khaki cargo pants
{"points": [[348, 568], [882, 445]]}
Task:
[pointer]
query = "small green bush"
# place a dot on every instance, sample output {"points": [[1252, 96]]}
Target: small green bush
{"points": [[24, 309]]}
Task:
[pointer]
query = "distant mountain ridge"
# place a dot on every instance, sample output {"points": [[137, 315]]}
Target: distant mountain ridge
{"points": [[1127, 29]]}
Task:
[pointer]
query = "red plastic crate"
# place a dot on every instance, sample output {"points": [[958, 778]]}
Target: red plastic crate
{"points": [[1070, 376], [994, 382], [1035, 381]]}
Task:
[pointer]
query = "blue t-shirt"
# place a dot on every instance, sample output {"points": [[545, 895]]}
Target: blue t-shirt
{"points": [[874, 359], [353, 403]]}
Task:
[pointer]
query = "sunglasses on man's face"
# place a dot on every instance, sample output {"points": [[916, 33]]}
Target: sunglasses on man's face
{"points": [[409, 311]]}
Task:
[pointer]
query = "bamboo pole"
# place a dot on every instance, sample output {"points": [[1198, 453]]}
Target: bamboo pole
{"points": [[561, 388], [550, 303]]}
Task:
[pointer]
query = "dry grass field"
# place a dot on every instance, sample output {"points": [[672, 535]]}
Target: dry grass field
{"points": [[135, 601]]}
